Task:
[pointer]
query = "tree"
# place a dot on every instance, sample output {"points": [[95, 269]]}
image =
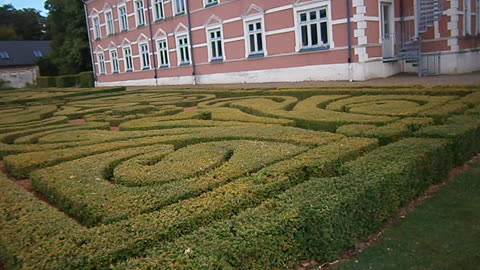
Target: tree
{"points": [[23, 24], [70, 47]]}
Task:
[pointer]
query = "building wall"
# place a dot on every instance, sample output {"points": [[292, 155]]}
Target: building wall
{"points": [[18, 77], [281, 39]]}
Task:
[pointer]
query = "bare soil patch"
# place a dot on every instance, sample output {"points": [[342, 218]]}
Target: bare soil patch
{"points": [[190, 108], [77, 121]]}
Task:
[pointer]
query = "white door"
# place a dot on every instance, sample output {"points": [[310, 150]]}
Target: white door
{"points": [[387, 23]]}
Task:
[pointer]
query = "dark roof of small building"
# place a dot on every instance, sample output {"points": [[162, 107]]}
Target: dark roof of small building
{"points": [[22, 52]]}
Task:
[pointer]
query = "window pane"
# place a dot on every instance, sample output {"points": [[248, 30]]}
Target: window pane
{"points": [[259, 26], [323, 27], [214, 50], [313, 15], [259, 42], [303, 17], [252, 43], [219, 44], [323, 13], [250, 27], [304, 35], [314, 33]]}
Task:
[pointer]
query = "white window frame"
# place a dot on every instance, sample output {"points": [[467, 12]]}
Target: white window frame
{"points": [[145, 56], [298, 31], [175, 6], [102, 68], [248, 51], [139, 14], [186, 49], [97, 29], [114, 61], [123, 18], [478, 17], [109, 23], [126, 58], [209, 3], [213, 43], [467, 17], [163, 53], [158, 10]]}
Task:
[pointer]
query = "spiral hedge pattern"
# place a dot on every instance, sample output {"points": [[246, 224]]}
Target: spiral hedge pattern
{"points": [[217, 179]]}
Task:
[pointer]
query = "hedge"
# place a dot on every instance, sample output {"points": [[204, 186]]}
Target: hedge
{"points": [[86, 79], [66, 81], [317, 219], [46, 82]]}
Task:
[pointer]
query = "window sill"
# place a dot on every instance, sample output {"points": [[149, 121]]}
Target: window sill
{"points": [[115, 72], [218, 60], [124, 30], [130, 70], [140, 26], [164, 66], [180, 14], [322, 48], [97, 39], [159, 20], [146, 68], [185, 64], [111, 35], [256, 55]]}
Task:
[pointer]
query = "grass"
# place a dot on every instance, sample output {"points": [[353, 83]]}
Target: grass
{"points": [[442, 233]]}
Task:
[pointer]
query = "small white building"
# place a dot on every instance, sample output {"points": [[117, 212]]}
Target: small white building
{"points": [[18, 61]]}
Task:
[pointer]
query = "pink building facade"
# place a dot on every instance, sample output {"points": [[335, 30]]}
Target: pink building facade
{"points": [[173, 42]]}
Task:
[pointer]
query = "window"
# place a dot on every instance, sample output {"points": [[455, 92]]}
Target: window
{"points": [[215, 44], [96, 27], [163, 53], [123, 18], [114, 59], [4, 55], [37, 53], [109, 19], [183, 50], [158, 8], [127, 54], [145, 56], [140, 13], [313, 28], [179, 6], [255, 37], [101, 63], [210, 2], [467, 17], [478, 17]]}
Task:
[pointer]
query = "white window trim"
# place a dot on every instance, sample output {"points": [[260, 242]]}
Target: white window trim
{"points": [[144, 67], [113, 61], [137, 19], [125, 59], [209, 44], [174, 7], [107, 25], [206, 4], [120, 18], [98, 35], [307, 6], [102, 67], [247, 20], [467, 17], [154, 10], [392, 19], [159, 52], [189, 48], [478, 17]]}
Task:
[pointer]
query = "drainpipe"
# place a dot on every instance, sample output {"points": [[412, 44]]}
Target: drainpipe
{"points": [[152, 42], [349, 38], [90, 42], [187, 6]]}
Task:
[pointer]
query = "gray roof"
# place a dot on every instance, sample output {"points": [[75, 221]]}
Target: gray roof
{"points": [[22, 52]]}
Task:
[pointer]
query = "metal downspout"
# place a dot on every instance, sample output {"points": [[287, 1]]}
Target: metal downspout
{"points": [[90, 43], [187, 5], [349, 38], [152, 43]]}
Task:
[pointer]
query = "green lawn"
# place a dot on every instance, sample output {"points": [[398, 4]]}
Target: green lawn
{"points": [[442, 233]]}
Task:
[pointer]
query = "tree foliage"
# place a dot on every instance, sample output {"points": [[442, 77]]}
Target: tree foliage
{"points": [[21, 24], [70, 47]]}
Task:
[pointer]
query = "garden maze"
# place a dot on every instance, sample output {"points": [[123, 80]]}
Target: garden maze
{"points": [[218, 179]]}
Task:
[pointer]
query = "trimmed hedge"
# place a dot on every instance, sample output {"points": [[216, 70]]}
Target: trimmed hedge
{"points": [[86, 79], [66, 81], [46, 82], [317, 219]]}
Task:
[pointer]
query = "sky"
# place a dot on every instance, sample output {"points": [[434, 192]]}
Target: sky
{"points": [[19, 4]]}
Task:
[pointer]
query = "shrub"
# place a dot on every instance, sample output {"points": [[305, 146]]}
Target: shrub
{"points": [[86, 79], [46, 82], [66, 81]]}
